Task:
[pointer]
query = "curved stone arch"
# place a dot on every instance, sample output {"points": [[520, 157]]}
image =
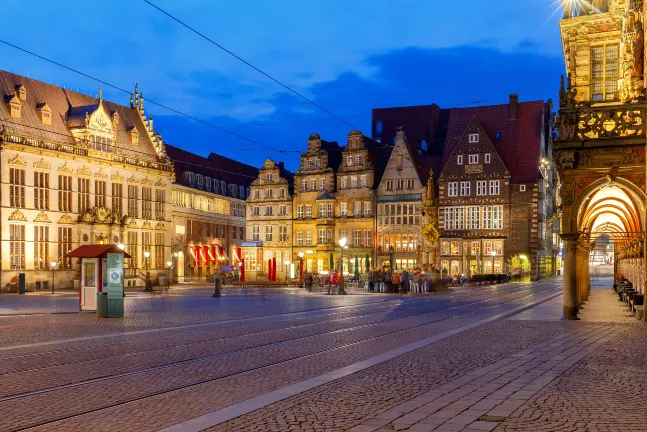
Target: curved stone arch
{"points": [[628, 218], [633, 190], [609, 202]]}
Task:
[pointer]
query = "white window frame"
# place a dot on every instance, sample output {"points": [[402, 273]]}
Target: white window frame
{"points": [[459, 160], [343, 211], [473, 159], [300, 239], [488, 158], [481, 187], [452, 189], [465, 189], [474, 138], [495, 187], [522, 188], [300, 212]]}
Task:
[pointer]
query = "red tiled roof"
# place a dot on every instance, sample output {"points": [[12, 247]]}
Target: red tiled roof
{"points": [[423, 122], [96, 251], [520, 143]]}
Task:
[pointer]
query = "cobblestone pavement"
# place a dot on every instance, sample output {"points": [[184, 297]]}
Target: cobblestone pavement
{"points": [[530, 374], [183, 355]]}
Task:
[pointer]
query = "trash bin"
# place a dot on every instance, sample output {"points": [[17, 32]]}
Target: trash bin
{"points": [[102, 305]]}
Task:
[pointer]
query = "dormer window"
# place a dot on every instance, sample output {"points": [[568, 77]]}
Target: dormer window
{"points": [[21, 91], [190, 177], [232, 190], [45, 113], [14, 106], [223, 187], [474, 138], [200, 181], [241, 192], [309, 165], [215, 186], [133, 135], [207, 183], [349, 161], [269, 177], [358, 160]]}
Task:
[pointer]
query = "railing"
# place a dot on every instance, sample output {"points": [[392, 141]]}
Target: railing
{"points": [[615, 121], [80, 151]]}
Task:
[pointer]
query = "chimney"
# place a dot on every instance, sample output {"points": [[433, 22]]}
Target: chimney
{"points": [[514, 106]]}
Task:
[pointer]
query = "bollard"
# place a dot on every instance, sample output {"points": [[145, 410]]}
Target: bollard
{"points": [[217, 288]]}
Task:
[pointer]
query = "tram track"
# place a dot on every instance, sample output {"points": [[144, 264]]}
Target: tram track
{"points": [[328, 319], [292, 358]]}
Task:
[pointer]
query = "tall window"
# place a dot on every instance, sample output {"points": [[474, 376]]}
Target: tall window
{"points": [[64, 247], [64, 194], [17, 246], [300, 212], [160, 200], [453, 189], [368, 238], [100, 193], [309, 238], [389, 185], [322, 184], [604, 73], [269, 233], [132, 201], [367, 208], [308, 211], [322, 236], [322, 210], [256, 233], [353, 182], [410, 183], [363, 180], [357, 238], [41, 247], [465, 188], [41, 191], [494, 187], [283, 233], [159, 250], [146, 246], [357, 208], [132, 247], [400, 184], [481, 187], [17, 189], [313, 184], [299, 239], [146, 202], [117, 196], [283, 210], [84, 194], [304, 185]]}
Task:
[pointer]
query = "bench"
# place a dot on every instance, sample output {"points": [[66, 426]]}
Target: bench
{"points": [[640, 311]]}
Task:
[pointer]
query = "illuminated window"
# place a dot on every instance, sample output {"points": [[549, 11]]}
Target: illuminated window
{"points": [[604, 73]]}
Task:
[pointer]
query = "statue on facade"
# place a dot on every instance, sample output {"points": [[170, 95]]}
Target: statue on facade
{"points": [[430, 220]]}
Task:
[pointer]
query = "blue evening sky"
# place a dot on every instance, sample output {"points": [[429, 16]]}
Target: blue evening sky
{"points": [[347, 55]]}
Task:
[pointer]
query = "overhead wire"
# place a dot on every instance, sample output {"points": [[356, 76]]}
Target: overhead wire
{"points": [[249, 64], [237, 135]]}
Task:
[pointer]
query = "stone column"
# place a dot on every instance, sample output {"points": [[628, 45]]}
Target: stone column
{"points": [[587, 271], [581, 272], [570, 275]]}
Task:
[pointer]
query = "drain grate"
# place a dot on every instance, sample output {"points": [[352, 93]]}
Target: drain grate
{"points": [[495, 419]]}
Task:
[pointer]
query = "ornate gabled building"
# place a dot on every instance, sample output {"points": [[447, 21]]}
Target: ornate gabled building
{"points": [[77, 170], [362, 165], [600, 146], [400, 197], [269, 222], [209, 207], [493, 188], [314, 204]]}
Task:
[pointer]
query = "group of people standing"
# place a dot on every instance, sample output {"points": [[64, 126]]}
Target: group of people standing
{"points": [[396, 281]]}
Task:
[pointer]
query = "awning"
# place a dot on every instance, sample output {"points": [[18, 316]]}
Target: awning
{"points": [[211, 258], [224, 254], [96, 251]]}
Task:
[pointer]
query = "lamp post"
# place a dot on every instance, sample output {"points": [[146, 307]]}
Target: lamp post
{"points": [[169, 264], [493, 255], [300, 269], [342, 244], [286, 262], [148, 287], [52, 264]]}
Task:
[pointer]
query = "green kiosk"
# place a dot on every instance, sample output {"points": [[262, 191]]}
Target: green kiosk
{"points": [[102, 279]]}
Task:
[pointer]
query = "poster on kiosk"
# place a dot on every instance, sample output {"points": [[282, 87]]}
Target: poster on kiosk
{"points": [[115, 276]]}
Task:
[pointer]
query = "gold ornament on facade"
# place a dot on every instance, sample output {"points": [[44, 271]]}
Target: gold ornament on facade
{"points": [[100, 215], [42, 218], [160, 226], [17, 161], [17, 215], [147, 225], [41, 164], [65, 219]]}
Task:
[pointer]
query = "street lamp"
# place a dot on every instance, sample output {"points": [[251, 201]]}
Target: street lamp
{"points": [[286, 262], [169, 264], [53, 266], [121, 246], [342, 245], [493, 255], [300, 269], [149, 287]]}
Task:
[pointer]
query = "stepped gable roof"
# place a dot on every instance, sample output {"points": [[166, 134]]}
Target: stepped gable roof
{"points": [[520, 143], [68, 105], [215, 166]]}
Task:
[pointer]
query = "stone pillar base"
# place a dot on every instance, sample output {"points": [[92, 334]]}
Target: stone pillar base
{"points": [[570, 313]]}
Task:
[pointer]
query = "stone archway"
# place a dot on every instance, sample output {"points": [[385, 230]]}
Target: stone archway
{"points": [[611, 206]]}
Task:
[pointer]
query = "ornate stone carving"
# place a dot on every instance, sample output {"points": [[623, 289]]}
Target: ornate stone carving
{"points": [[131, 223], [100, 215], [17, 161], [65, 219], [84, 170], [565, 160], [100, 174], [132, 179], [147, 225], [160, 226], [146, 181], [117, 177], [473, 169], [568, 194], [601, 122], [42, 164], [609, 157], [17, 215], [65, 169], [42, 218], [160, 183]]}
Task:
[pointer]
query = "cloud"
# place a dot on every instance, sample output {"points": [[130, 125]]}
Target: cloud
{"points": [[411, 76]]}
